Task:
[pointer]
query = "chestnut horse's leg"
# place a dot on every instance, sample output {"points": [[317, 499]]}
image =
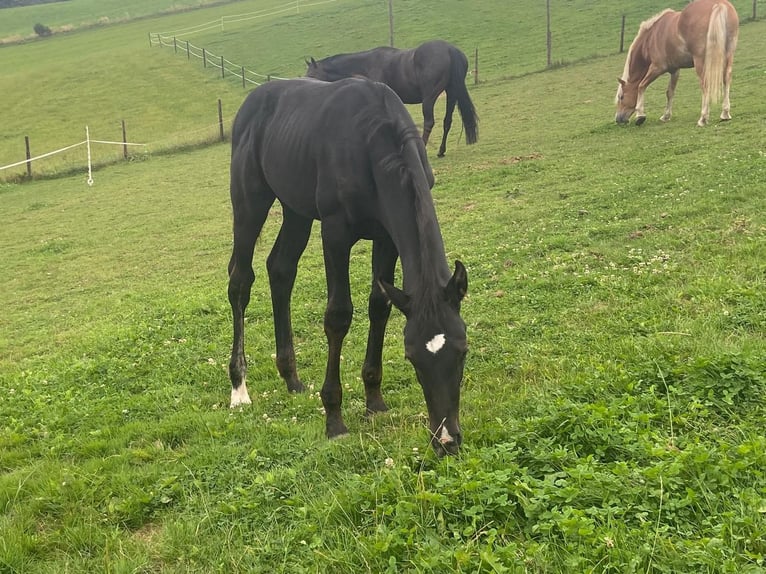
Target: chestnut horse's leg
{"points": [[336, 246], [250, 208], [384, 257], [451, 101], [726, 109], [651, 74], [699, 67], [282, 266], [669, 93]]}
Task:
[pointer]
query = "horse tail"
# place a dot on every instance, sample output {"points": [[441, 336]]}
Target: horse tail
{"points": [[715, 52], [456, 85]]}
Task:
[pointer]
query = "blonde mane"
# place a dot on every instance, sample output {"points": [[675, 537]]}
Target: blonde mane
{"points": [[644, 27]]}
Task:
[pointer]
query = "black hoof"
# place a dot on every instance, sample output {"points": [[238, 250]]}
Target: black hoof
{"points": [[640, 120]]}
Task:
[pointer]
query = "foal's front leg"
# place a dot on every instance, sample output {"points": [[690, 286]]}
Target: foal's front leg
{"points": [[379, 309], [337, 320]]}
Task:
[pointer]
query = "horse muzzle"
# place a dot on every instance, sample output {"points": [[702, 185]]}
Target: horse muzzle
{"points": [[445, 442]]}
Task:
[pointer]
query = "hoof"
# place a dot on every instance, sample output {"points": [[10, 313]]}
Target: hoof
{"points": [[335, 430], [239, 396], [375, 407], [640, 120], [295, 386]]}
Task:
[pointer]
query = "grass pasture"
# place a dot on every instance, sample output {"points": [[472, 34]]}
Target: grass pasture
{"points": [[613, 402]]}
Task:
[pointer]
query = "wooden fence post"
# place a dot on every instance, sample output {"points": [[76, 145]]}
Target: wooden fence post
{"points": [[622, 34], [124, 141], [204, 58], [29, 157], [476, 66], [391, 23], [243, 76], [175, 45], [548, 29], [159, 39], [151, 44], [754, 14], [188, 56], [223, 69], [220, 118]]}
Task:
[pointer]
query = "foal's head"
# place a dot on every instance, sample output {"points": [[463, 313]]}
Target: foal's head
{"points": [[435, 344], [626, 98]]}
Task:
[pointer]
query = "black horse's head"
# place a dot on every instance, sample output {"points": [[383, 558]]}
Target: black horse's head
{"points": [[435, 344], [322, 71]]}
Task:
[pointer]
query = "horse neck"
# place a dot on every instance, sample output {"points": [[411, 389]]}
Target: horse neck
{"points": [[415, 231], [637, 63]]}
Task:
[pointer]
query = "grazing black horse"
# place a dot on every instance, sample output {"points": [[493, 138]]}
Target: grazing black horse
{"points": [[417, 75], [348, 154]]}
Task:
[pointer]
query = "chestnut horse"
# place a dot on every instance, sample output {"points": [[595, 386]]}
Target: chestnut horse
{"points": [[703, 36]]}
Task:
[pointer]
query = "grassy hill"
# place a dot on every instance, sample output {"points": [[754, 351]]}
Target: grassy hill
{"points": [[613, 400]]}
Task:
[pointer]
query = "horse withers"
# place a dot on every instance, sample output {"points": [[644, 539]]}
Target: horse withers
{"points": [[417, 76], [349, 155], [703, 36]]}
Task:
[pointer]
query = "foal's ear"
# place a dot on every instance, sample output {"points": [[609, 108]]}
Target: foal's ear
{"points": [[621, 82], [458, 285], [397, 297], [311, 62]]}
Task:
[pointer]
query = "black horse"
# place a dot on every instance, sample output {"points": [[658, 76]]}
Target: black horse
{"points": [[349, 155], [417, 75]]}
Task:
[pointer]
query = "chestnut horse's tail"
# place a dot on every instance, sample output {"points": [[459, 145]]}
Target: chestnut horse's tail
{"points": [[715, 52], [458, 70]]}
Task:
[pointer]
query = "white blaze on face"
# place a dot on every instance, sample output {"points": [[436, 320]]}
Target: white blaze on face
{"points": [[445, 437], [435, 344], [239, 396]]}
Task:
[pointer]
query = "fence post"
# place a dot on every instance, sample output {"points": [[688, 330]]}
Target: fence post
{"points": [[175, 46], [188, 56], [476, 66], [151, 44], [243, 76], [223, 69], [204, 58], [391, 23], [622, 34], [548, 29], [29, 157], [754, 14], [159, 39], [124, 141], [220, 118]]}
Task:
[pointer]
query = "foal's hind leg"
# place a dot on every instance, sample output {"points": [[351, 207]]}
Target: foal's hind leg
{"points": [[250, 211], [282, 266], [383, 263], [451, 101]]}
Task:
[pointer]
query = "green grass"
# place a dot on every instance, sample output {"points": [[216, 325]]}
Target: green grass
{"points": [[613, 401]]}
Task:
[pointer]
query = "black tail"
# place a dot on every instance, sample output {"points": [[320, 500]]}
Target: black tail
{"points": [[459, 68]]}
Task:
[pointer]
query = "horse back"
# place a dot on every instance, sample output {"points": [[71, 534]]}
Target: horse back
{"points": [[315, 144], [694, 22]]}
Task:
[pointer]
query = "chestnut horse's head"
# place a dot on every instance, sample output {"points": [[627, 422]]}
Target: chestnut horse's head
{"points": [[626, 98]]}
